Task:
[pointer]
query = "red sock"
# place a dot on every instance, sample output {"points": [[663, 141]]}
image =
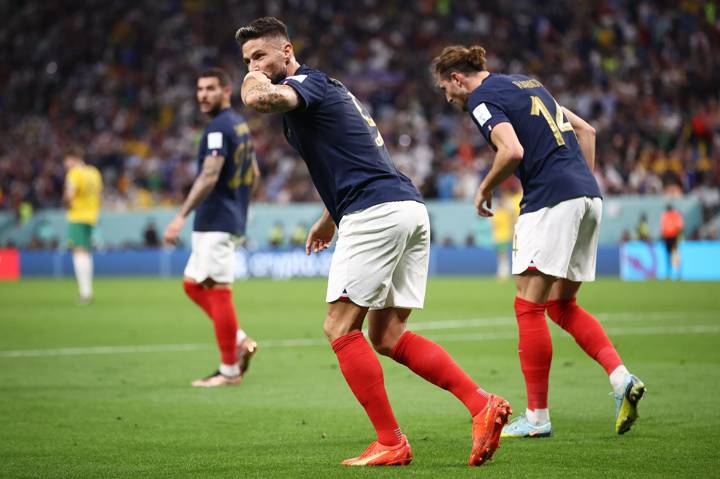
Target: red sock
{"points": [[196, 292], [222, 311], [432, 363], [364, 375], [586, 330], [535, 350]]}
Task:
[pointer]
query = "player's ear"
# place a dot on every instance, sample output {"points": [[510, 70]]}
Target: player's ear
{"points": [[455, 78], [287, 50]]}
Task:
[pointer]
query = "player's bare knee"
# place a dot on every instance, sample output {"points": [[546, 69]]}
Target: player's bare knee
{"points": [[384, 348], [329, 329], [335, 327], [382, 343]]}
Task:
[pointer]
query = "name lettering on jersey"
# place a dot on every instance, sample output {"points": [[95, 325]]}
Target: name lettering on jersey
{"points": [[214, 140], [527, 84], [481, 114], [297, 78], [242, 129]]}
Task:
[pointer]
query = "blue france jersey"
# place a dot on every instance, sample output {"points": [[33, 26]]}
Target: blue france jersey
{"points": [[225, 207], [553, 168], [342, 147]]}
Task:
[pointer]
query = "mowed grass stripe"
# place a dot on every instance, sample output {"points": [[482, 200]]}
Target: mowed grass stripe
{"points": [[294, 343]]}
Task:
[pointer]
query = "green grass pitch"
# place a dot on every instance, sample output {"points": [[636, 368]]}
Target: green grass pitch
{"points": [[103, 391]]}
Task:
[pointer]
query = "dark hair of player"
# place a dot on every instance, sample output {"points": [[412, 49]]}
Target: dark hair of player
{"points": [[219, 73], [457, 58], [262, 27], [74, 150]]}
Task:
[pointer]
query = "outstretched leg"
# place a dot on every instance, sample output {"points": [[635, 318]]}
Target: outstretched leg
{"points": [[432, 363], [424, 357], [587, 331], [589, 334]]}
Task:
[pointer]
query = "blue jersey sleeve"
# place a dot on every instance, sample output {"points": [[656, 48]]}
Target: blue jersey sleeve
{"points": [[217, 142], [486, 115], [311, 88]]}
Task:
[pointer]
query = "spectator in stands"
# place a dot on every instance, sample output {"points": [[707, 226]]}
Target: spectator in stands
{"points": [[644, 72]]}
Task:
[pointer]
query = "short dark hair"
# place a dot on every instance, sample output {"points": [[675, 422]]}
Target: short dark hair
{"points": [[262, 27], [218, 73], [74, 150], [459, 59]]}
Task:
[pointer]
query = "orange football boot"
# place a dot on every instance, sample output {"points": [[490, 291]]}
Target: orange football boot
{"points": [[486, 428], [378, 455]]}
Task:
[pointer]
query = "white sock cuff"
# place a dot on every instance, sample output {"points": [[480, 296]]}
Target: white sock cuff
{"points": [[537, 416], [241, 335], [230, 370], [617, 378]]}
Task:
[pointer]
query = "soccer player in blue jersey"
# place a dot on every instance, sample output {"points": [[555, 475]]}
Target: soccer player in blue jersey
{"points": [[220, 196], [552, 151], [379, 267]]}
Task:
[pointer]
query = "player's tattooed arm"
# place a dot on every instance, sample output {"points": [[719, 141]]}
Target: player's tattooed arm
{"points": [[585, 134], [261, 95], [203, 184]]}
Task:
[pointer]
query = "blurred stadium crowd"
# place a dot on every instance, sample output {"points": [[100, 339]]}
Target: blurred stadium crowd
{"points": [[119, 77]]}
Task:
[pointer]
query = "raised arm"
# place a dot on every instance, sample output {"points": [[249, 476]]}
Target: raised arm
{"points": [[585, 134], [509, 154], [262, 96], [202, 186]]}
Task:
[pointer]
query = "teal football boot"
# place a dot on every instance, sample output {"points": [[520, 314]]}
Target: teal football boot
{"points": [[521, 427], [626, 404]]}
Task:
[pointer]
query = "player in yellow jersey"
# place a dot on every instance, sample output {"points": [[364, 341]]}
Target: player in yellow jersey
{"points": [[502, 225], [83, 187]]}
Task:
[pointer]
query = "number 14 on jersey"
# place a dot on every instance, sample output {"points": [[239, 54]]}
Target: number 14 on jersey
{"points": [[557, 125]]}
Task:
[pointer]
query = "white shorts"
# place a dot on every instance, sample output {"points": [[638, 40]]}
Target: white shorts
{"points": [[560, 240], [381, 256], [213, 256]]}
